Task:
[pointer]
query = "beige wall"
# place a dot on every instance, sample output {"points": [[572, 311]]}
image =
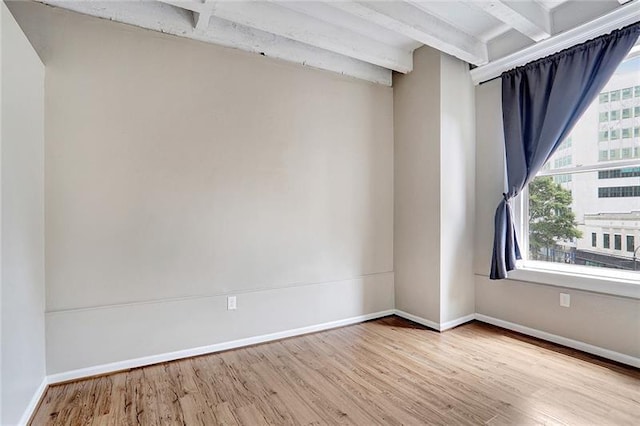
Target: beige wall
{"points": [[22, 349], [179, 172], [605, 321], [416, 102], [457, 189], [434, 139]]}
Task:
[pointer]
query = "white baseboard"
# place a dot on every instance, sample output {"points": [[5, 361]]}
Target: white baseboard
{"points": [[456, 322], [575, 344], [417, 319], [33, 403], [170, 356], [202, 350], [434, 325]]}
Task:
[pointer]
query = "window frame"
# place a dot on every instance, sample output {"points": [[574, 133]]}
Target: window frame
{"points": [[589, 278]]}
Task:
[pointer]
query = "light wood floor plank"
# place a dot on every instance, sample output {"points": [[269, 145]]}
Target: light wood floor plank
{"points": [[388, 372]]}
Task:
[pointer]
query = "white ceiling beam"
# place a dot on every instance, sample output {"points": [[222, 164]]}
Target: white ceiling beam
{"points": [[203, 17], [618, 18], [179, 21], [528, 18], [421, 26], [284, 22]]}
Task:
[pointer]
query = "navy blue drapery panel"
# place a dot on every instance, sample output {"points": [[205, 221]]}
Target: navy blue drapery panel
{"points": [[541, 102]]}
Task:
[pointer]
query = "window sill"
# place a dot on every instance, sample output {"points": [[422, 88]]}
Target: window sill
{"points": [[616, 283]]}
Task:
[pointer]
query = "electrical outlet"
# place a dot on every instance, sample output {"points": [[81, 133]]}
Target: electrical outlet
{"points": [[231, 303], [565, 300]]}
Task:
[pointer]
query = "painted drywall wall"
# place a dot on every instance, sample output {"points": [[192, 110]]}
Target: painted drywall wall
{"points": [[606, 321], [22, 340], [457, 189], [434, 195], [416, 103], [179, 172]]}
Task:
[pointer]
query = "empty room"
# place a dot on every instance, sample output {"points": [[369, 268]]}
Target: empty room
{"points": [[319, 212]]}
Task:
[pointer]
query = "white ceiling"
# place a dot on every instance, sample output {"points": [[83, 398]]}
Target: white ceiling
{"points": [[366, 39]]}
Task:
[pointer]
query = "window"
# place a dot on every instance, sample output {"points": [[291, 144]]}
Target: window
{"points": [[619, 173], [566, 144], [562, 161], [619, 192], [562, 178], [631, 246], [614, 96], [615, 115], [637, 92], [584, 204]]}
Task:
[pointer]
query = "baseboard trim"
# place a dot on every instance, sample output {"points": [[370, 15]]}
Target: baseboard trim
{"points": [[434, 325], [34, 403], [456, 322], [202, 350], [417, 319], [113, 367], [575, 344]]}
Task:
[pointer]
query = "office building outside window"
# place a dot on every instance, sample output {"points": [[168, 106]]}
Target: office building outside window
{"points": [[595, 182]]}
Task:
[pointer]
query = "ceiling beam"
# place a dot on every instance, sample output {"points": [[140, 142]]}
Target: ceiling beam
{"points": [[202, 18], [179, 21], [528, 18], [284, 22], [418, 25], [618, 18]]}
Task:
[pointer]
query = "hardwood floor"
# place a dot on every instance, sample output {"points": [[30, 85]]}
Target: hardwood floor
{"points": [[388, 371]]}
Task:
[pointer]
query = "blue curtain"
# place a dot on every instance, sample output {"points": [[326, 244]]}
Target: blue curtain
{"points": [[541, 102]]}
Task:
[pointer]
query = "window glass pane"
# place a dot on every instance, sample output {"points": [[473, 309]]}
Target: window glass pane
{"points": [[592, 217], [637, 91]]}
